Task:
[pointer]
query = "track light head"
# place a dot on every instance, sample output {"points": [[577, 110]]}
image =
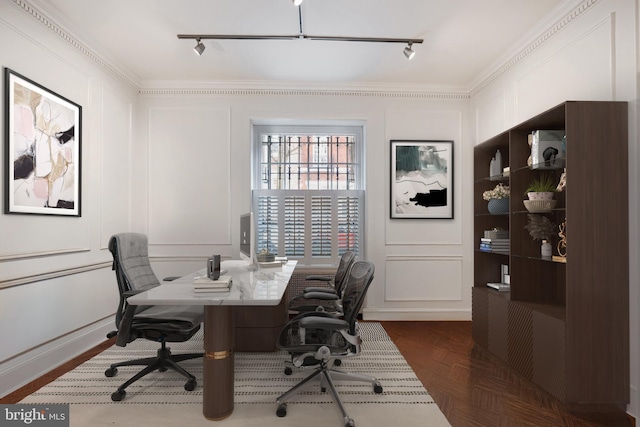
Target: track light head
{"points": [[408, 52], [297, 2], [199, 47]]}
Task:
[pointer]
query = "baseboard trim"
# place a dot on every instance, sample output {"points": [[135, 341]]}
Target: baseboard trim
{"points": [[401, 314], [21, 370]]}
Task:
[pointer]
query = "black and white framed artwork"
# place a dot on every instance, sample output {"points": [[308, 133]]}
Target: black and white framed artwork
{"points": [[421, 179]]}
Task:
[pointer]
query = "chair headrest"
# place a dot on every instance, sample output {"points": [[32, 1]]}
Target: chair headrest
{"points": [[131, 255]]}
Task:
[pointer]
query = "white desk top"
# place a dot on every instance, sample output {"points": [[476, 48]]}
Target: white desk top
{"points": [[264, 286]]}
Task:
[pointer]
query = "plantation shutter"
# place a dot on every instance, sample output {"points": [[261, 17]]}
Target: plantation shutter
{"points": [[267, 219], [348, 224], [294, 226], [321, 222]]}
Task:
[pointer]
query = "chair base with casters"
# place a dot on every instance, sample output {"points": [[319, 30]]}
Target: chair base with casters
{"points": [[163, 361], [322, 362]]}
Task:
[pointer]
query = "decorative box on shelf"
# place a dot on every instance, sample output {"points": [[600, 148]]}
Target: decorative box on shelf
{"points": [[496, 234], [547, 149]]}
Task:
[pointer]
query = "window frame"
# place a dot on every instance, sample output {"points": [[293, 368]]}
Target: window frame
{"points": [[333, 129]]}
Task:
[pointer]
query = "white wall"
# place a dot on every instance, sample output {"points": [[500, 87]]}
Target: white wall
{"points": [[57, 291], [174, 162], [211, 195]]}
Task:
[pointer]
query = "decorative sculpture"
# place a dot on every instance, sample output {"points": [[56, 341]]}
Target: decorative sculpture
{"points": [[563, 181], [562, 244]]}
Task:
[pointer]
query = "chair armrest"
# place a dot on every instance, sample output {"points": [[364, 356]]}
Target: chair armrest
{"points": [[319, 277], [322, 322], [318, 289], [320, 295], [325, 296]]}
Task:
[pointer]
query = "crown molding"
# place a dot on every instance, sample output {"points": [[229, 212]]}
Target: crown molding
{"points": [[513, 59], [48, 22], [239, 91], [240, 88]]}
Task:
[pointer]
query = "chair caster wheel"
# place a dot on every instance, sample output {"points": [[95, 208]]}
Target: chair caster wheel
{"points": [[190, 385], [377, 388], [288, 371], [110, 372], [350, 423], [282, 410], [337, 362], [118, 395]]}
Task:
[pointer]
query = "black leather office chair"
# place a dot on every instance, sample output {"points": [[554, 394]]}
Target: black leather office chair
{"points": [[316, 340], [326, 298], [157, 323]]}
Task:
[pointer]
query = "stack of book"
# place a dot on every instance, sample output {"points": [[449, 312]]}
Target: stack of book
{"points": [[494, 245], [206, 285]]}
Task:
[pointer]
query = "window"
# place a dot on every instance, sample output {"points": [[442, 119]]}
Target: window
{"points": [[308, 192]]}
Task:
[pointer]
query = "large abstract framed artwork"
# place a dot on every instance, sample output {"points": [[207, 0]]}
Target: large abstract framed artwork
{"points": [[43, 155], [421, 179]]}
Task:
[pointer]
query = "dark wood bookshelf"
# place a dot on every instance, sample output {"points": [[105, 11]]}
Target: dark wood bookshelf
{"points": [[563, 325]]}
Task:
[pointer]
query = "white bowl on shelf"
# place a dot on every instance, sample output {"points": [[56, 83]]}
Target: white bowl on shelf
{"points": [[540, 205]]}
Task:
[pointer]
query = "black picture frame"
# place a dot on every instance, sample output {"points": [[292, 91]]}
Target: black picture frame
{"points": [[421, 179], [43, 149]]}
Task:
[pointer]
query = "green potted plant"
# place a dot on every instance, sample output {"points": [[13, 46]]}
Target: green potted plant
{"points": [[541, 188]]}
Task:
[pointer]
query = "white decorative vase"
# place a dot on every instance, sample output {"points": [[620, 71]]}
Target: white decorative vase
{"points": [[545, 249]]}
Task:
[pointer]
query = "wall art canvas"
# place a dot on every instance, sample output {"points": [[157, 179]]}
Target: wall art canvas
{"points": [[421, 179], [43, 156]]}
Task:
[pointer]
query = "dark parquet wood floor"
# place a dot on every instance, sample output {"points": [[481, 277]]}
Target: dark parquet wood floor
{"points": [[471, 387]]}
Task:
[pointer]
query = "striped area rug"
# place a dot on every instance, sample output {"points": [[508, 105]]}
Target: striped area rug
{"points": [[159, 399]]}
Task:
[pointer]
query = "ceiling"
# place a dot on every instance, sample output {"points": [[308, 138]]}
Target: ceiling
{"points": [[463, 39]]}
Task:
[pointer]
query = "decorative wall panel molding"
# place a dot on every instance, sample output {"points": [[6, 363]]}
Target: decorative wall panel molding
{"points": [[189, 186], [53, 274], [423, 278], [27, 255], [490, 115], [585, 59]]}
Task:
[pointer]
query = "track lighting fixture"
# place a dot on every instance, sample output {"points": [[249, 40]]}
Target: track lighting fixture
{"points": [[199, 47], [408, 52]]}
